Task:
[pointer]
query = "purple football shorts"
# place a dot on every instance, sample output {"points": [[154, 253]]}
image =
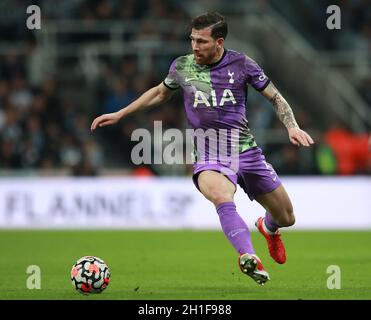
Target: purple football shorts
{"points": [[253, 174]]}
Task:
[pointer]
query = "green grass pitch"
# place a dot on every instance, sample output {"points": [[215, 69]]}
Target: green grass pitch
{"points": [[185, 265]]}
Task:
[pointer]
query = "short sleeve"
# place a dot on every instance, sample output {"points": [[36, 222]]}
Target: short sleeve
{"points": [[171, 81], [255, 75]]}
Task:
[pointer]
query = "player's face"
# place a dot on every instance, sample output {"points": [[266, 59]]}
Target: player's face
{"points": [[204, 46]]}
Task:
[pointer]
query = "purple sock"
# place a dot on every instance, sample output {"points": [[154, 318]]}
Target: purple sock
{"points": [[235, 228], [270, 223]]}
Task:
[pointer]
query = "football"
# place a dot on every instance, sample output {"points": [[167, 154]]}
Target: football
{"points": [[90, 275]]}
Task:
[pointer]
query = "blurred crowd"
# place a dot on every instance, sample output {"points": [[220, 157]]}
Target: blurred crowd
{"points": [[12, 12], [354, 36], [310, 20], [42, 128], [38, 127]]}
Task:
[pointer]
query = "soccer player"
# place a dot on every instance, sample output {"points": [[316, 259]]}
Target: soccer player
{"points": [[214, 82]]}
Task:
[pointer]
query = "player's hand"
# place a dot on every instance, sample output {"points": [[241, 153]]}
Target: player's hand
{"points": [[105, 120], [300, 137]]}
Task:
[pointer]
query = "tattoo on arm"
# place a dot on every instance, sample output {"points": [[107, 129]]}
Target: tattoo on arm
{"points": [[283, 110]]}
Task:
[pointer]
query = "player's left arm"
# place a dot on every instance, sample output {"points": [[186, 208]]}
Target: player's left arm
{"points": [[285, 114]]}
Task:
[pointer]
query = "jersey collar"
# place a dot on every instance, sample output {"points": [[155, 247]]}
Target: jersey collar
{"points": [[220, 60]]}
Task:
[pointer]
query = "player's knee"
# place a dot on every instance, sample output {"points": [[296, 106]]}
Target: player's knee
{"points": [[217, 197], [290, 220], [289, 217]]}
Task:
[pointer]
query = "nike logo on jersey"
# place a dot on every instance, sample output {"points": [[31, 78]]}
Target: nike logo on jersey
{"points": [[189, 79]]}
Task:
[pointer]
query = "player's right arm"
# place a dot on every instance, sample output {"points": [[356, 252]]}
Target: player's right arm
{"points": [[257, 79], [152, 97], [284, 112]]}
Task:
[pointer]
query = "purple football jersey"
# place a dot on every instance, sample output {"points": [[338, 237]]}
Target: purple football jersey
{"points": [[215, 96]]}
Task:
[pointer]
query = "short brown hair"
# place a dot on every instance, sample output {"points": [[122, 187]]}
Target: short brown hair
{"points": [[219, 27]]}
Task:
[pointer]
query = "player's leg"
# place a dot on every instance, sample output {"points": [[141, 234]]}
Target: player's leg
{"points": [[260, 181], [218, 189], [279, 209], [279, 213]]}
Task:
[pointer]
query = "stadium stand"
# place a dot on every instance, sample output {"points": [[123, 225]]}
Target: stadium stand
{"points": [[93, 57]]}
